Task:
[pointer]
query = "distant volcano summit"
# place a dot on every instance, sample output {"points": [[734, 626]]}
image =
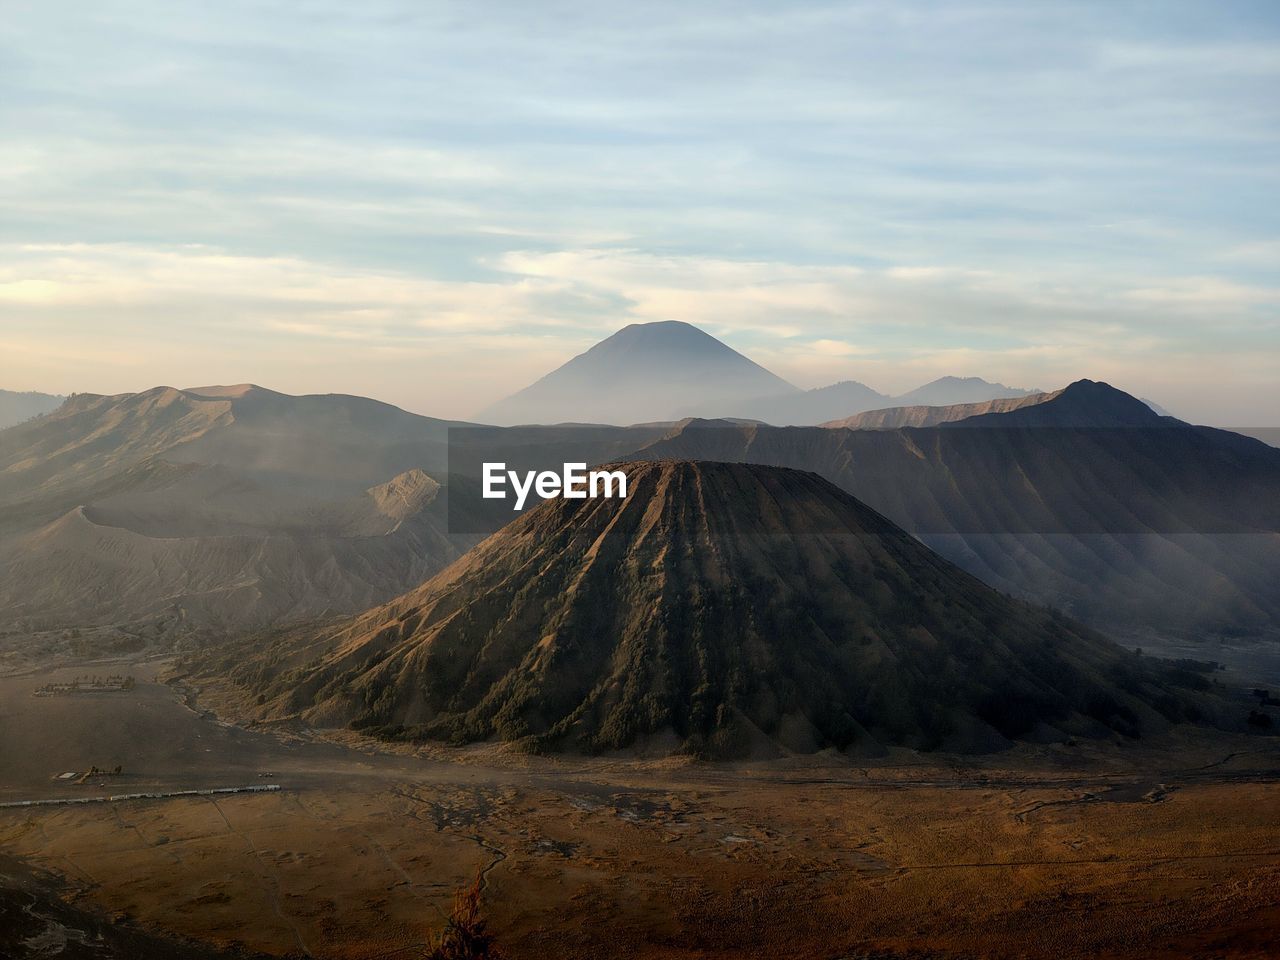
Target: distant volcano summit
{"points": [[722, 610], [644, 372]]}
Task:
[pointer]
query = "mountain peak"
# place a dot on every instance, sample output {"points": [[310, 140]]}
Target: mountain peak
{"points": [[645, 372], [226, 391], [947, 391], [678, 328], [668, 339], [404, 494], [1082, 404]]}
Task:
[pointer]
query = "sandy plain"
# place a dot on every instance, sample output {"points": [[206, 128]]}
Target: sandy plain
{"points": [[1166, 849]]}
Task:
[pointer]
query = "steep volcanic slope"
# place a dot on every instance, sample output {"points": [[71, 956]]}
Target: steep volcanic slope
{"points": [[1141, 521], [645, 372], [717, 605]]}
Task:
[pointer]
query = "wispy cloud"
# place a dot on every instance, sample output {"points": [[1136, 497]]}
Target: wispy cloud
{"points": [[859, 189], [889, 326]]}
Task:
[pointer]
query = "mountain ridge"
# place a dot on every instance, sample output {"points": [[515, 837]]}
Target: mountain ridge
{"points": [[892, 418], [173, 513], [1164, 524], [1087, 404], [950, 390]]}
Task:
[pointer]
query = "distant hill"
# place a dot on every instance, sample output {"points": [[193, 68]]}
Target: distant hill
{"points": [[17, 407], [812, 406], [643, 373], [669, 371], [849, 398], [1088, 501], [949, 390], [719, 610], [894, 417], [1085, 404], [1088, 405], [324, 445]]}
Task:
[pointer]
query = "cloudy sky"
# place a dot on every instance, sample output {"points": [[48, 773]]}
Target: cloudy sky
{"points": [[435, 203]]}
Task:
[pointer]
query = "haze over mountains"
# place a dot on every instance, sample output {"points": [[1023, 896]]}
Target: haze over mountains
{"points": [[1268, 435], [644, 372], [720, 609], [334, 444], [950, 390], [1088, 501], [16, 407], [891, 418], [850, 397], [177, 513], [809, 406], [670, 370], [183, 512]]}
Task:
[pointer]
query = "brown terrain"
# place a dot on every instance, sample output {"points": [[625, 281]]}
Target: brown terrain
{"points": [[172, 514], [224, 826], [174, 517], [742, 714], [1163, 848]]}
